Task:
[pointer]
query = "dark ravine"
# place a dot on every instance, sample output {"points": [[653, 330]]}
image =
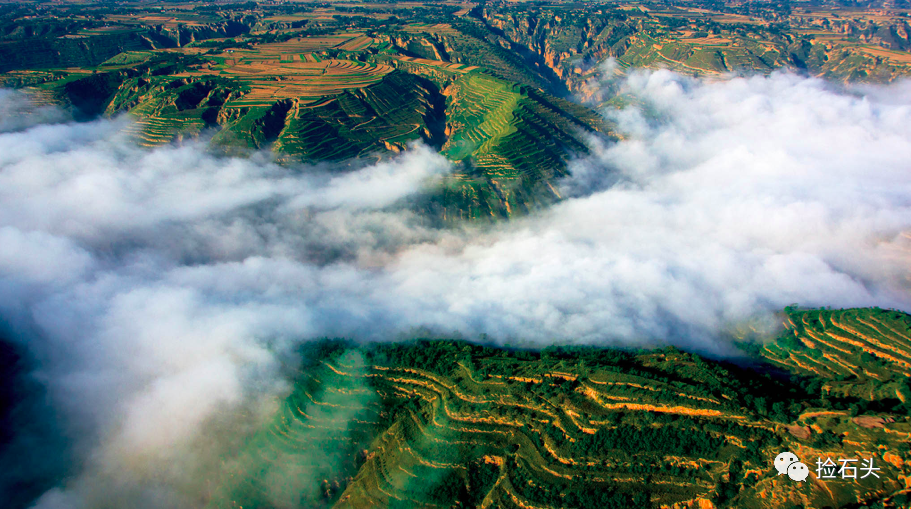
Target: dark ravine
{"points": [[33, 447]]}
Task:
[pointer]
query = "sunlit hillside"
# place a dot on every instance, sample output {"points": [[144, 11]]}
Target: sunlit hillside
{"points": [[451, 424]]}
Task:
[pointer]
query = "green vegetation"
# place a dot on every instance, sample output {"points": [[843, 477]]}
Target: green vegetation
{"points": [[399, 109], [515, 140], [436, 423], [44, 53], [314, 443], [706, 38], [862, 356], [454, 424], [487, 85]]}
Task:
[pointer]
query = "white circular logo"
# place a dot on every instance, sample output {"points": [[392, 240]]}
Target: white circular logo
{"points": [[798, 471]]}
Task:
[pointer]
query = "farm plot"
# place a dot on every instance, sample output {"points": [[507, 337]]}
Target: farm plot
{"points": [[859, 344], [357, 44], [274, 50], [439, 28], [899, 57], [439, 64], [272, 80], [517, 141]]}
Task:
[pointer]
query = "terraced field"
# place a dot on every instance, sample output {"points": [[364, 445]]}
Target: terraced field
{"points": [[448, 67], [295, 46], [451, 424], [511, 141], [862, 354], [357, 44], [375, 117], [313, 445], [516, 141], [166, 107], [299, 79], [400, 108], [295, 69], [705, 56]]}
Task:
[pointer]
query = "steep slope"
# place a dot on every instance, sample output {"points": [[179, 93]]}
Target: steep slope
{"points": [[482, 84], [572, 40], [515, 140], [861, 354], [314, 443], [85, 50], [399, 109]]}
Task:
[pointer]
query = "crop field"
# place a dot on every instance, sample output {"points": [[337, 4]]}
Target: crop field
{"points": [[512, 94], [900, 57], [439, 28], [128, 58], [165, 21], [152, 130], [438, 64], [357, 117], [296, 17], [384, 116], [273, 51], [273, 80], [296, 69], [329, 410], [703, 56], [685, 12], [357, 44]]}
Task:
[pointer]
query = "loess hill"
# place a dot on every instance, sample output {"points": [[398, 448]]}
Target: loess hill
{"points": [[316, 88], [453, 424], [486, 84]]}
